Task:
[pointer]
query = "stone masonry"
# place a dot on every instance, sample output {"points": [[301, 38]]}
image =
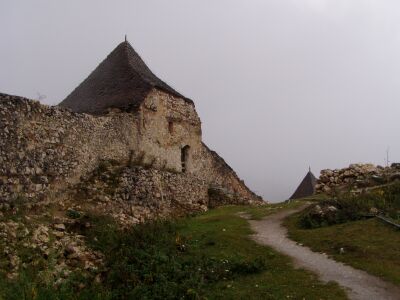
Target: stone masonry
{"points": [[47, 149], [356, 177], [124, 120]]}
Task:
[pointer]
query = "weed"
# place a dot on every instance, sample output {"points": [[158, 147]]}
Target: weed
{"points": [[209, 256], [73, 214]]}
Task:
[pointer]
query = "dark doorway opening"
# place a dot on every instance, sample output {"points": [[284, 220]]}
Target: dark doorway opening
{"points": [[185, 158], [171, 127]]}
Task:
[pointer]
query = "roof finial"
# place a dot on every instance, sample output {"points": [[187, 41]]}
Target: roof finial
{"points": [[309, 168], [125, 38]]}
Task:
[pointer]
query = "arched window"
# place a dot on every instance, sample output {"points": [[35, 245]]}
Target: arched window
{"points": [[185, 158]]}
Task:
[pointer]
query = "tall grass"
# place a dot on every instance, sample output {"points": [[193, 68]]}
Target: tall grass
{"points": [[148, 261], [152, 261]]}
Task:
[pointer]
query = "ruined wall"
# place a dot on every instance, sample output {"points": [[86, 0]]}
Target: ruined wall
{"points": [[133, 194], [46, 148], [164, 145], [356, 178], [42, 146], [223, 176], [167, 124]]}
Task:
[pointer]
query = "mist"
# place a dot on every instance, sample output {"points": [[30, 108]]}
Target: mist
{"points": [[279, 85]]}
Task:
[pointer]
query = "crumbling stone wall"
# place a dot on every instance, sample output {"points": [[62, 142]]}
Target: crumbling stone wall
{"points": [[224, 178], [167, 124], [355, 178], [163, 146], [133, 194], [44, 148]]}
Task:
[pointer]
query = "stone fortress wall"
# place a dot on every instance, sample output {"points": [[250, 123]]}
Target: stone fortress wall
{"points": [[356, 178], [43, 149]]}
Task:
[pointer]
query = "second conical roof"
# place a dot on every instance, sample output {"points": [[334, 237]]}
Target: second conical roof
{"points": [[306, 187]]}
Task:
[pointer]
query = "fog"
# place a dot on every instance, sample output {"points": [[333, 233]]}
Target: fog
{"points": [[279, 85]]}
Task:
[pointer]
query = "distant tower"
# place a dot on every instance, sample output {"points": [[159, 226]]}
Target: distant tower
{"points": [[306, 187]]}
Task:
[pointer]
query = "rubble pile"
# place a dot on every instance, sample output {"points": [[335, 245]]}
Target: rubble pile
{"points": [[31, 242], [356, 177], [135, 194]]}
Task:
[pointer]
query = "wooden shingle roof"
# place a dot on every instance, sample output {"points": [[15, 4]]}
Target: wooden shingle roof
{"points": [[122, 81], [306, 187]]}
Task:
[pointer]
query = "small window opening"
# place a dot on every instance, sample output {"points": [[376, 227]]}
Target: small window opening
{"points": [[185, 158], [144, 123], [171, 127]]}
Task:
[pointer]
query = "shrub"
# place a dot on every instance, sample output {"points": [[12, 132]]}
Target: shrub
{"points": [[153, 261], [147, 261], [351, 207], [73, 214]]}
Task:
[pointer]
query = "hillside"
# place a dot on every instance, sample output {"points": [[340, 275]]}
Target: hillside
{"points": [[86, 242], [71, 254]]}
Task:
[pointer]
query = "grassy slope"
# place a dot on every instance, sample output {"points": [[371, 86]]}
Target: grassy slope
{"points": [[368, 245], [164, 260], [220, 233], [259, 212]]}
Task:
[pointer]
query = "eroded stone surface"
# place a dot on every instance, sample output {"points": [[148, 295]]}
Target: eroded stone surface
{"points": [[44, 149], [356, 177]]}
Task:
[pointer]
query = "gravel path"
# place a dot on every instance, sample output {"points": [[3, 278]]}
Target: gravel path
{"points": [[359, 284]]}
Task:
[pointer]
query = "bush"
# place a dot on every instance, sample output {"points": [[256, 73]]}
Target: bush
{"points": [[152, 261], [353, 207], [73, 214], [148, 261]]}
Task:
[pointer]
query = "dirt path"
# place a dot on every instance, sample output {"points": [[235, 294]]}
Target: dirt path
{"points": [[358, 284]]}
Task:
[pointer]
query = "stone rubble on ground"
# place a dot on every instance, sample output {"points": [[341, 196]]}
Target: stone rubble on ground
{"points": [[356, 178], [57, 165], [64, 249]]}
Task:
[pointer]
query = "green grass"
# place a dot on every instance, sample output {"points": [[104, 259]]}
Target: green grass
{"points": [[208, 256], [220, 233], [259, 212], [368, 245]]}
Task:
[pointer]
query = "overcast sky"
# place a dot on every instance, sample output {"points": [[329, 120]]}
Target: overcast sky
{"points": [[279, 84]]}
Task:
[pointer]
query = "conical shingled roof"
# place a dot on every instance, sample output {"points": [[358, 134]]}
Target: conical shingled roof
{"points": [[306, 187], [121, 81]]}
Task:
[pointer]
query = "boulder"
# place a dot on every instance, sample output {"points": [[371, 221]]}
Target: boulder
{"points": [[395, 166], [378, 179], [395, 176], [373, 211], [59, 227]]}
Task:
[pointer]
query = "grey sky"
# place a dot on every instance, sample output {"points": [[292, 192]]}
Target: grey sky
{"points": [[279, 85]]}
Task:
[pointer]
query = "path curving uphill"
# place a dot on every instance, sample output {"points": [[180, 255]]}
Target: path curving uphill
{"points": [[359, 284]]}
